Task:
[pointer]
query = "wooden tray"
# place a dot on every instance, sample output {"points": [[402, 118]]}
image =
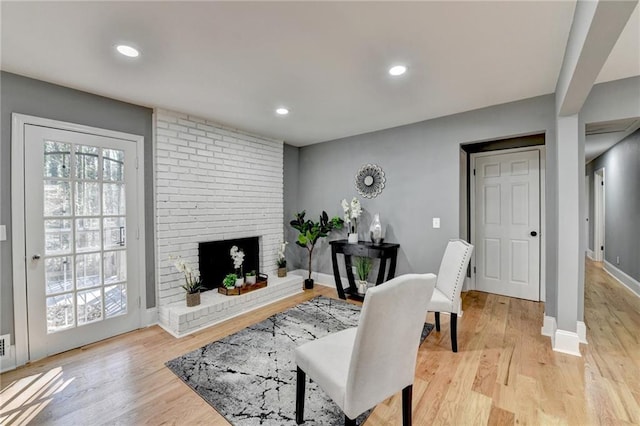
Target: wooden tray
{"points": [[261, 282]]}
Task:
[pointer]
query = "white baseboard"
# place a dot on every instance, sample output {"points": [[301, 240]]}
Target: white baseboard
{"points": [[582, 332], [566, 342], [623, 278], [321, 278], [8, 362], [549, 326], [591, 255]]}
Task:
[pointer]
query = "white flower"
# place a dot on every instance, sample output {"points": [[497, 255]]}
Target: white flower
{"points": [[237, 256], [283, 247], [356, 209]]}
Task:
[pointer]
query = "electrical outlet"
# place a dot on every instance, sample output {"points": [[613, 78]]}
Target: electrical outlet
{"points": [[3, 233], [436, 222], [617, 260]]}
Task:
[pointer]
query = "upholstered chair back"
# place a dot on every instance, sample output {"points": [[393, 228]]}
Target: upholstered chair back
{"points": [[453, 269]]}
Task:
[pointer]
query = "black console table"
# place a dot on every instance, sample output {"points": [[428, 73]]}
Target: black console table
{"points": [[382, 251]]}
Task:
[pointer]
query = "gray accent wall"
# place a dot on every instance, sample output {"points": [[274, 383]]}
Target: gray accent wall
{"points": [[421, 162], [33, 97], [622, 203]]}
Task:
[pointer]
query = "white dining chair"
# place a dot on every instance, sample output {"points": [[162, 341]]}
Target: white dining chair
{"points": [[446, 296], [364, 365]]}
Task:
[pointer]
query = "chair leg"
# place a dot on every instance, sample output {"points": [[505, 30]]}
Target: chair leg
{"points": [[454, 332], [406, 405], [437, 314], [348, 421], [300, 385]]}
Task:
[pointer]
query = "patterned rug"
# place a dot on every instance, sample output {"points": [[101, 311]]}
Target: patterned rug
{"points": [[250, 377]]}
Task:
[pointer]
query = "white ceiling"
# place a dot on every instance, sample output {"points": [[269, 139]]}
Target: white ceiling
{"points": [[235, 62]]}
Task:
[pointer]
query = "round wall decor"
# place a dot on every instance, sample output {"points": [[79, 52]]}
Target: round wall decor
{"points": [[370, 180]]}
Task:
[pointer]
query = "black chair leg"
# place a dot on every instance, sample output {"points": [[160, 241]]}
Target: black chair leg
{"points": [[348, 421], [406, 405], [454, 332], [437, 314], [300, 385]]}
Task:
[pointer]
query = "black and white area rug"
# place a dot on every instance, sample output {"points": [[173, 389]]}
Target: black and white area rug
{"points": [[250, 377]]}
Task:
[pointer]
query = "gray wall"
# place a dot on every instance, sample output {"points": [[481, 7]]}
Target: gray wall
{"points": [[291, 172], [33, 97], [622, 203], [421, 162]]}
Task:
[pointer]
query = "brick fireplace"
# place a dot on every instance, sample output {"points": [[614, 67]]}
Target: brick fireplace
{"points": [[213, 183]]}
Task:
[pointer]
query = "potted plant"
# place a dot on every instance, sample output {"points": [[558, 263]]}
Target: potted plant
{"points": [[311, 232], [250, 277], [281, 260], [192, 284], [363, 267], [238, 258], [230, 281], [352, 212]]}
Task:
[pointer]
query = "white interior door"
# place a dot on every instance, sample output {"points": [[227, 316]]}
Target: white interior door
{"points": [[599, 209], [80, 239], [507, 235]]}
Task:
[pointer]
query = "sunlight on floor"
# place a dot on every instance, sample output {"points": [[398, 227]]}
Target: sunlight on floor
{"points": [[23, 399]]}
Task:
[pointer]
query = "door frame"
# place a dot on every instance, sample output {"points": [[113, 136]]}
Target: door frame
{"points": [[600, 193], [542, 205], [18, 189]]}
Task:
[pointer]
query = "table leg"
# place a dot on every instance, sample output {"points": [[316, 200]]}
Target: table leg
{"points": [[336, 273]]}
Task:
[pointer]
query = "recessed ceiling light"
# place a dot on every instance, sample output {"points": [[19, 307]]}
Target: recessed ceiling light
{"points": [[129, 51], [282, 111], [397, 70]]}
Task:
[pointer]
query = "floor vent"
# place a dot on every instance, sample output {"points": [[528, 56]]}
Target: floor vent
{"points": [[4, 345]]}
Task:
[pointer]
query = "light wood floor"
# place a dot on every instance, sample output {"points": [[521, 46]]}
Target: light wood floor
{"points": [[504, 373]]}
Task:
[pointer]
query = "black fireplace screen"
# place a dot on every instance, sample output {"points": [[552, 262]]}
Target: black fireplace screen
{"points": [[215, 259]]}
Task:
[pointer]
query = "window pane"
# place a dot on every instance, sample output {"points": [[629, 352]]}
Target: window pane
{"points": [[115, 266], [114, 202], [57, 159], [115, 300], [113, 164], [58, 274], [88, 235], [57, 198], [87, 162], [114, 232], [59, 313], [89, 306], [88, 270], [87, 198], [57, 236]]}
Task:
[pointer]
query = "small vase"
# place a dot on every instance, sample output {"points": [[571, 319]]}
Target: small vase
{"points": [[375, 231], [362, 286], [239, 282], [353, 238], [250, 279], [282, 272], [193, 299]]}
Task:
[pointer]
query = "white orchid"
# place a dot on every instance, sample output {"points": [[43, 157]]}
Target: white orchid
{"points": [[237, 256], [352, 212], [192, 278]]}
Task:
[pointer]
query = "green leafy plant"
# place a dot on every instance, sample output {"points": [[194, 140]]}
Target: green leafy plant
{"points": [[282, 263], [311, 232], [363, 267], [251, 273], [230, 280]]}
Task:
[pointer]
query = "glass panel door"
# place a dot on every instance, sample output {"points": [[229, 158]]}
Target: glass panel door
{"points": [[81, 194]]}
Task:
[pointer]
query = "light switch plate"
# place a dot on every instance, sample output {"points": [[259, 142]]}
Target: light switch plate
{"points": [[436, 222], [3, 233]]}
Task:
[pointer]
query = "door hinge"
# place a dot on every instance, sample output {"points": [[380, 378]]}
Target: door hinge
{"points": [[137, 233], [474, 172], [602, 183], [474, 269], [601, 247], [137, 163]]}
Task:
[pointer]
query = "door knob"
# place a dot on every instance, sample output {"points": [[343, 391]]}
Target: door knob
{"points": [[534, 233], [35, 257]]}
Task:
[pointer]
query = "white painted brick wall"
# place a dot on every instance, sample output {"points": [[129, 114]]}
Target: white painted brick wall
{"points": [[213, 183]]}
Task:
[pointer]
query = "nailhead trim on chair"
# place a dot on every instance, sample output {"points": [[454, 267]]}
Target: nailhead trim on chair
{"points": [[455, 288]]}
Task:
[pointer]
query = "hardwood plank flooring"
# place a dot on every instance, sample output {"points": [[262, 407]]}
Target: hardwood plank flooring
{"points": [[505, 372]]}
